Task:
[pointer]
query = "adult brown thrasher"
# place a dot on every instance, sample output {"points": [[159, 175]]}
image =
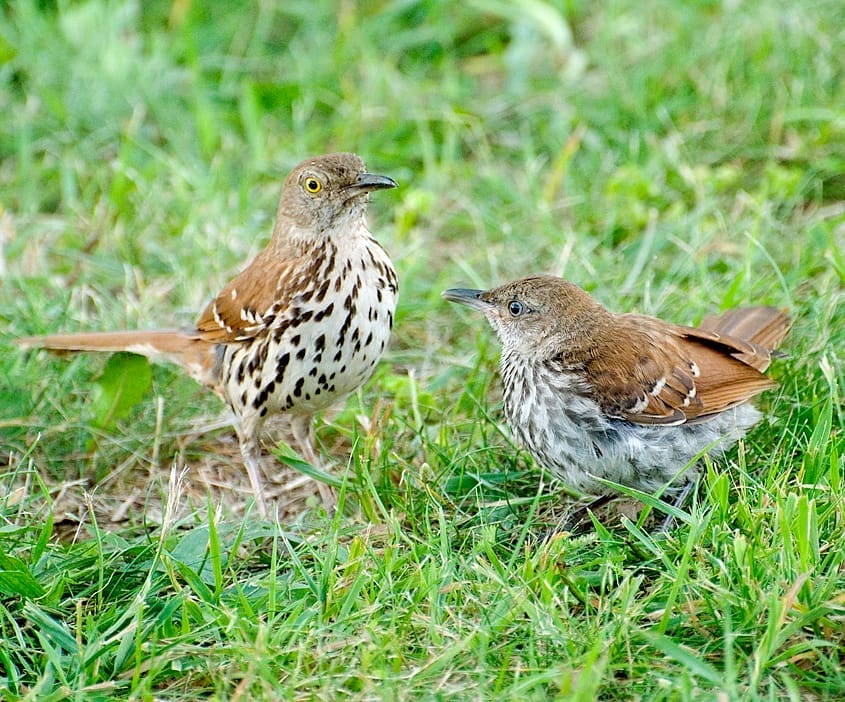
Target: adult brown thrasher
{"points": [[303, 325]]}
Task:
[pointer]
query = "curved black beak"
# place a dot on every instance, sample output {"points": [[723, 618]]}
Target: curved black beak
{"points": [[367, 182], [466, 296]]}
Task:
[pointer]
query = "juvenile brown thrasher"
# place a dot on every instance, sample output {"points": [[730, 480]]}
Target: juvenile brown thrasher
{"points": [[623, 397]]}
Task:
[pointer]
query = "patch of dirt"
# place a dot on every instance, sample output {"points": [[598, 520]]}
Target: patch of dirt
{"points": [[136, 492]]}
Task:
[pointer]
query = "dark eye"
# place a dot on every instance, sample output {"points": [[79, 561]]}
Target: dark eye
{"points": [[312, 185], [516, 308]]}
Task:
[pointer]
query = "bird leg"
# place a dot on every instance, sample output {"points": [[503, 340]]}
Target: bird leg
{"points": [[302, 428], [251, 452], [669, 521]]}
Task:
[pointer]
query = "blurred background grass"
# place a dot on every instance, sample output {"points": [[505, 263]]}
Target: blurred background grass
{"points": [[672, 158]]}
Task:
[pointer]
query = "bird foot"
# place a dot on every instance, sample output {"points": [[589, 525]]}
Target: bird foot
{"points": [[581, 513]]}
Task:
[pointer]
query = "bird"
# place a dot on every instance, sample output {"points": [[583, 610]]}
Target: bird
{"points": [[598, 396], [303, 325]]}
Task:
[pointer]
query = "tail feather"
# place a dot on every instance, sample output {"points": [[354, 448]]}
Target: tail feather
{"points": [[763, 326], [169, 345]]}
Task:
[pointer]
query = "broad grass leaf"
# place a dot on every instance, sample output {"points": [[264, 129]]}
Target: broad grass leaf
{"points": [[123, 383], [17, 579]]}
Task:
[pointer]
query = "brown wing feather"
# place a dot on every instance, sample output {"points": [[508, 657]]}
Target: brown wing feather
{"points": [[250, 302], [725, 379], [677, 374], [641, 381]]}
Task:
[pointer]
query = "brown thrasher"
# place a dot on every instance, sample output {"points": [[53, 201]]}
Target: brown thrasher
{"points": [[303, 325], [623, 397]]}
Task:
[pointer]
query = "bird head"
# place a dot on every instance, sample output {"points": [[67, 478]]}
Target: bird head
{"points": [[535, 317], [328, 193]]}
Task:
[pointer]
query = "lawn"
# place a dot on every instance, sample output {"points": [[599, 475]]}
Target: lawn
{"points": [[673, 159]]}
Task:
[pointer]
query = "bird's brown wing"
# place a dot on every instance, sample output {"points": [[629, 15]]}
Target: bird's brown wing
{"points": [[252, 301], [670, 375]]}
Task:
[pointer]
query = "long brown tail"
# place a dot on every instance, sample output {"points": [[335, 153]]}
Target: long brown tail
{"points": [[171, 345], [763, 327]]}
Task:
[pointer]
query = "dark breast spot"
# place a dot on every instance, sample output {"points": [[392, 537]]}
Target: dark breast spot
{"points": [[341, 336], [325, 312], [324, 288], [260, 399], [281, 365]]}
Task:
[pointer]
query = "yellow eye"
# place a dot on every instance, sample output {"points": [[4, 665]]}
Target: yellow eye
{"points": [[312, 185]]}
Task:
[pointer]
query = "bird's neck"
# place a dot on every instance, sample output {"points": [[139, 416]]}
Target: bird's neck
{"points": [[292, 238]]}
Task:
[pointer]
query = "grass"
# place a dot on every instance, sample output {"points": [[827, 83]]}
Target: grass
{"points": [[672, 158]]}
